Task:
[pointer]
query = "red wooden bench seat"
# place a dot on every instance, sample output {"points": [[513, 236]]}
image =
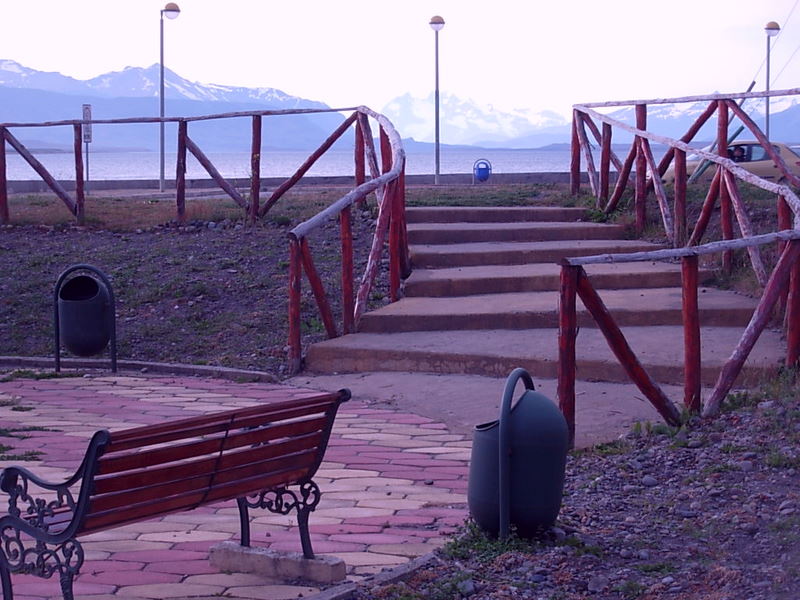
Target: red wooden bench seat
{"points": [[263, 456]]}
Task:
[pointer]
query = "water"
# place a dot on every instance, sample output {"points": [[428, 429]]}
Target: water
{"points": [[145, 165]]}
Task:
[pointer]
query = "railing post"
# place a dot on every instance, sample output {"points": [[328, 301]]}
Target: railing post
{"points": [[692, 364], [255, 169], [360, 161], [605, 165], [575, 159], [180, 174], [567, 335], [680, 198], [79, 194], [395, 251], [793, 317], [784, 222], [4, 216], [761, 316], [725, 206], [640, 198], [405, 257], [295, 275], [348, 301]]}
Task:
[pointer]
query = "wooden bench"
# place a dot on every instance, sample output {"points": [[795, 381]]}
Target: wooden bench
{"points": [[251, 454]]}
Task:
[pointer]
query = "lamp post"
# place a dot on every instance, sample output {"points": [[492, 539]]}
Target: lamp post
{"points": [[772, 29], [171, 11], [436, 24]]}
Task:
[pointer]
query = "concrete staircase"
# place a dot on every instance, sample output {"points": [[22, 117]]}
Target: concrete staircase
{"points": [[483, 299]]}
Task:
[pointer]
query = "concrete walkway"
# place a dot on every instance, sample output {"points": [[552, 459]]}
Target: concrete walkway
{"points": [[393, 483]]}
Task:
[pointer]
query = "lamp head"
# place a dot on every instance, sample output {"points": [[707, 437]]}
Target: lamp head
{"points": [[171, 10], [772, 29], [437, 23]]}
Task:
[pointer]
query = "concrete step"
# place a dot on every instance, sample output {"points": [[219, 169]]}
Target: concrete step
{"points": [[537, 277], [425, 256], [487, 214], [528, 310], [452, 233], [495, 353]]}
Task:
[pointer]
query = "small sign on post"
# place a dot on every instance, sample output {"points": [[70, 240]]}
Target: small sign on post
{"points": [[87, 133]]}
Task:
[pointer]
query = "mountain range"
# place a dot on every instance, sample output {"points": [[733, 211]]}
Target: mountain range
{"points": [[28, 95]]}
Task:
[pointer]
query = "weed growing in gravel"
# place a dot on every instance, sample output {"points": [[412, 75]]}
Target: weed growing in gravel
{"points": [[630, 589], [470, 541], [27, 374]]}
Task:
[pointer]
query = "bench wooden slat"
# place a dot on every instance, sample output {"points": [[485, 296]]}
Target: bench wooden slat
{"points": [[197, 426], [141, 477], [179, 487], [162, 506], [118, 462]]}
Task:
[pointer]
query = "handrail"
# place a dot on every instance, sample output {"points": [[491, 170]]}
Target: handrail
{"points": [[724, 186], [575, 282], [390, 190], [389, 187]]}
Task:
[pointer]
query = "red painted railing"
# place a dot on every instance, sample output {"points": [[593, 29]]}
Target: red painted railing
{"points": [[388, 183], [782, 284], [386, 180], [252, 208]]}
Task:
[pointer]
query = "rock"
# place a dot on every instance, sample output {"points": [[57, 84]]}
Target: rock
{"points": [[597, 584], [466, 588], [649, 481]]}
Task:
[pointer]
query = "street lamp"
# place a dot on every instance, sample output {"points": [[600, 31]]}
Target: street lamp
{"points": [[772, 29], [436, 24], [171, 11]]}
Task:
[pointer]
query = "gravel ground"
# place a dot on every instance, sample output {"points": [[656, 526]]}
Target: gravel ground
{"points": [[208, 293], [709, 511]]}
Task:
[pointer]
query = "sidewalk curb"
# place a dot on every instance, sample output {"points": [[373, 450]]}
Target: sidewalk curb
{"points": [[345, 591], [233, 374]]}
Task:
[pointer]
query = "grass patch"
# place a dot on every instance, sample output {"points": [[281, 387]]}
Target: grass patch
{"points": [[28, 374], [470, 541]]}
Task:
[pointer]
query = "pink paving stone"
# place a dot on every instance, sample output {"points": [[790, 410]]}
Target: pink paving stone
{"points": [[391, 520], [418, 475], [353, 460], [49, 588], [460, 471], [183, 567], [128, 578], [97, 566], [319, 547], [334, 529], [425, 460], [434, 426], [374, 538], [418, 533], [151, 556], [200, 546], [435, 512]]}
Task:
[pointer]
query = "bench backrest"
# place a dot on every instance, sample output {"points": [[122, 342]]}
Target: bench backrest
{"points": [[158, 469]]}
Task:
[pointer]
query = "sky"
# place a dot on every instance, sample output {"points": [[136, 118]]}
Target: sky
{"points": [[505, 53]]}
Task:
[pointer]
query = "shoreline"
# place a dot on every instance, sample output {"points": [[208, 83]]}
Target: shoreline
{"points": [[34, 186]]}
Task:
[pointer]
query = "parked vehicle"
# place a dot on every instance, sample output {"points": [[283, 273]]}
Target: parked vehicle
{"points": [[749, 155]]}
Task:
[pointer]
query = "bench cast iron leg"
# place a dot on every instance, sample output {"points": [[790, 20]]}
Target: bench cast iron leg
{"points": [[244, 521], [66, 585], [305, 538], [5, 578]]}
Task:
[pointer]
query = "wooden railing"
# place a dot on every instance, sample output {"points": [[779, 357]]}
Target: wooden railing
{"points": [[782, 285], [575, 283], [648, 174], [252, 207], [386, 180], [388, 183]]}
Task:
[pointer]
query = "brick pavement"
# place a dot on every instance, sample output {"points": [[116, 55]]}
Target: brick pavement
{"points": [[392, 484]]}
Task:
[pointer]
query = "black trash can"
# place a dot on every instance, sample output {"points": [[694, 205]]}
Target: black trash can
{"points": [[85, 322]]}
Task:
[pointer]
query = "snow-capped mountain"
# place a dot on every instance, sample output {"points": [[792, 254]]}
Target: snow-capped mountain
{"points": [[464, 122], [138, 82]]}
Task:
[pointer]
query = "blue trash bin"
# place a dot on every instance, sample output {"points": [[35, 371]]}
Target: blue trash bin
{"points": [[481, 170]]}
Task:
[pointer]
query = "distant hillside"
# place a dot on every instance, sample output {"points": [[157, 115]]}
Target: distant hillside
{"points": [[29, 96]]}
